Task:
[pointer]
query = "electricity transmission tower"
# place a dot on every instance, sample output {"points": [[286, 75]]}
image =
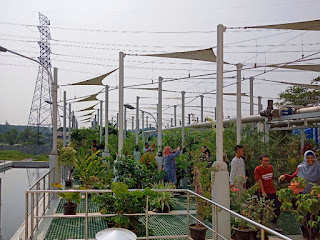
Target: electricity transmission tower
{"points": [[40, 117]]}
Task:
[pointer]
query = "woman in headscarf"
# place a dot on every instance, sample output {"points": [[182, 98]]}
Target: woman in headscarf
{"points": [[309, 170], [170, 164]]}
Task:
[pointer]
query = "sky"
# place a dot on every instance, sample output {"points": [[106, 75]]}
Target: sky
{"points": [[87, 37]]}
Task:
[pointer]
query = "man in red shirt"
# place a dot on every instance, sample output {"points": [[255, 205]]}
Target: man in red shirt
{"points": [[263, 174]]}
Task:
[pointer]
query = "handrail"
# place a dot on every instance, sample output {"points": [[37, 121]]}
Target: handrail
{"points": [[40, 179], [86, 215]]}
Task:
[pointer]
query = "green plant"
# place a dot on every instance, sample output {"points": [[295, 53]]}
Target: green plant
{"points": [[70, 197], [67, 157], [162, 201], [307, 205]]}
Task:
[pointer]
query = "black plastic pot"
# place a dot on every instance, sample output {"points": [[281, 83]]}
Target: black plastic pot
{"points": [[70, 209], [245, 234], [198, 233], [68, 183]]}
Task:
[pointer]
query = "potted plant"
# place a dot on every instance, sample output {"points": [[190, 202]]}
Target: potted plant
{"points": [[72, 198], [67, 158], [202, 179], [306, 206], [162, 201]]}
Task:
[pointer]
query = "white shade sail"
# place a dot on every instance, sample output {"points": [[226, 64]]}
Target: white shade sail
{"points": [[96, 80], [308, 25], [88, 114], [89, 108], [201, 55], [312, 67], [90, 98]]}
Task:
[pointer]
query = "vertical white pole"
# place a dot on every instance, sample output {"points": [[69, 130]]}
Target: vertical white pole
{"points": [[251, 96], [183, 118], [239, 66], [137, 121], [101, 111], [201, 116], [142, 134], [132, 123], [259, 104], [98, 118], [121, 99], [69, 123], [147, 121], [175, 114], [220, 187], [64, 118], [125, 123], [118, 121], [55, 110], [160, 114], [106, 142]]}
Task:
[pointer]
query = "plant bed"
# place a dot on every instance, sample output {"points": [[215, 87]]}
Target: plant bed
{"points": [[198, 231]]}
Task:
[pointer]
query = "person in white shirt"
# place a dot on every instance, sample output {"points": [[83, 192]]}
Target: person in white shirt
{"points": [[237, 166]]}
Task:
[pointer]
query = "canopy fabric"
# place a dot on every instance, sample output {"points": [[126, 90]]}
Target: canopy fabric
{"points": [[311, 86], [86, 119], [313, 67], [90, 98], [96, 80], [88, 114], [88, 108], [150, 89], [201, 55], [308, 25]]}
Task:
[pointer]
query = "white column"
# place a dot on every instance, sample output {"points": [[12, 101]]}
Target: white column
{"points": [[238, 122], [137, 121], [98, 118], [175, 114], [251, 96], [201, 116], [64, 118], [183, 118], [142, 134], [160, 114], [220, 188], [121, 98], [101, 111], [69, 123], [106, 123]]}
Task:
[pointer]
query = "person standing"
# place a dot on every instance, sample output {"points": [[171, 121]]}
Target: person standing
{"points": [[170, 164], [263, 174], [237, 167], [147, 148]]}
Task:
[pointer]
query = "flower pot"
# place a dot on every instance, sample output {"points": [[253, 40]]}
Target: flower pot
{"points": [[68, 183], [198, 233], [70, 209], [245, 233]]}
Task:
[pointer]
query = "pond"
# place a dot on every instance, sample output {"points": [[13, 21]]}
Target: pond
{"points": [[15, 181]]}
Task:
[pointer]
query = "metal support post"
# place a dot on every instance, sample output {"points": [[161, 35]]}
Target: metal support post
{"points": [[147, 122], [239, 66], [64, 118], [98, 118], [183, 118], [106, 123], [118, 121], [159, 123], [121, 99], [132, 123], [137, 121], [259, 104], [101, 111], [175, 115], [189, 118], [220, 187], [251, 96], [142, 133], [171, 122], [125, 123], [69, 130], [201, 116]]}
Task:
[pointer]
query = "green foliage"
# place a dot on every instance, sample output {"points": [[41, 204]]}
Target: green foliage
{"points": [[183, 163], [67, 156], [161, 200], [11, 137], [70, 197], [12, 155], [134, 174], [123, 202], [306, 206], [296, 95]]}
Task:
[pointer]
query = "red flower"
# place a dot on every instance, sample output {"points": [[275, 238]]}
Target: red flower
{"points": [[235, 189], [295, 186]]}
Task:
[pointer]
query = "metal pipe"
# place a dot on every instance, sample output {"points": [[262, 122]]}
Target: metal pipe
{"points": [[142, 127], [239, 66], [32, 215], [125, 123], [251, 96], [121, 99], [44, 197], [86, 218], [147, 217], [259, 104], [26, 226], [183, 118], [188, 213], [64, 118], [137, 121], [201, 108], [175, 114], [54, 111], [37, 207], [132, 128], [215, 223], [106, 123], [69, 130], [101, 111]]}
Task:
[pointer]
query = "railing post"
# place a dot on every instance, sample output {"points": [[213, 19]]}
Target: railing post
{"points": [[188, 213], [37, 207], [27, 216], [49, 187], [32, 215], [147, 218], [44, 196], [262, 234], [215, 223], [86, 220]]}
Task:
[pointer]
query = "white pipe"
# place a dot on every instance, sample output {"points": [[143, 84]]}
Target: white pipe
{"points": [[239, 66], [201, 104], [160, 114], [137, 121], [183, 118], [64, 118], [251, 96], [101, 111], [55, 110], [142, 133], [106, 142]]}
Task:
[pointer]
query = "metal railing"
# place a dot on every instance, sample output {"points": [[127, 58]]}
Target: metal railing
{"points": [[42, 197], [215, 206]]}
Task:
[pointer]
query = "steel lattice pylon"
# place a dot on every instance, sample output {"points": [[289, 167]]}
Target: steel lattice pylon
{"points": [[40, 117]]}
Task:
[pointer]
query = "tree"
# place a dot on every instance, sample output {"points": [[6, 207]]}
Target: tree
{"points": [[11, 137], [296, 95]]}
